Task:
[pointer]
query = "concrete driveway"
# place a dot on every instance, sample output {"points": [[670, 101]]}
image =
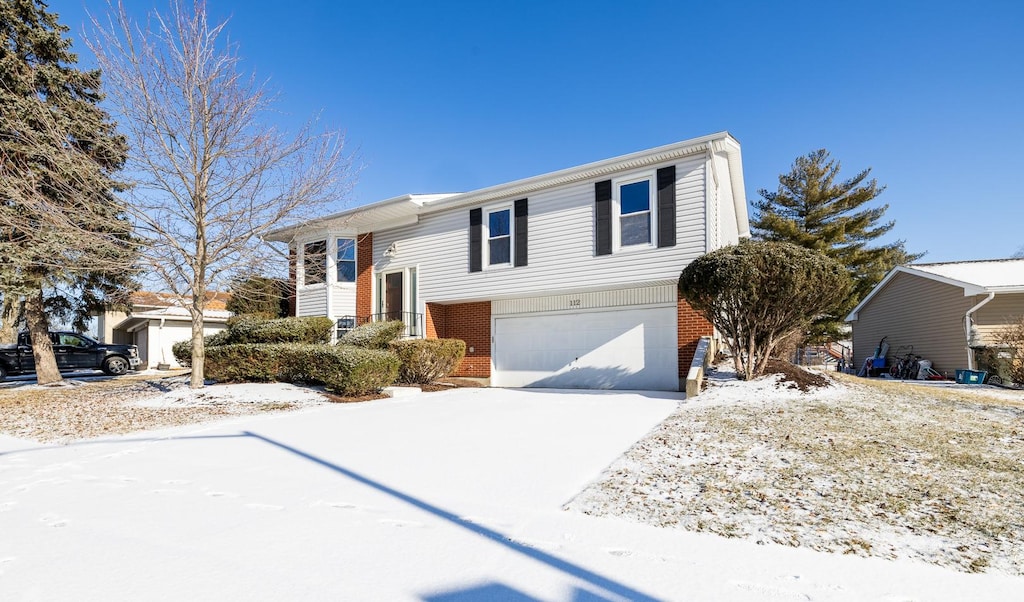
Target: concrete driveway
{"points": [[392, 499]]}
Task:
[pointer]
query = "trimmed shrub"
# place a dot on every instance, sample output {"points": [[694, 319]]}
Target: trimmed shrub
{"points": [[427, 360], [182, 350], [374, 335], [244, 362], [345, 370], [252, 329]]}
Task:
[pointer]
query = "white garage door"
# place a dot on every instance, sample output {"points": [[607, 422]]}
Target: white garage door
{"points": [[616, 349]]}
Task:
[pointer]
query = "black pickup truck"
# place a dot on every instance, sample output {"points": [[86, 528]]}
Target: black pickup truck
{"points": [[73, 352]]}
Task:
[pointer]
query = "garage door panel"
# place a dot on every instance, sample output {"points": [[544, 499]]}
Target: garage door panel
{"points": [[618, 349]]}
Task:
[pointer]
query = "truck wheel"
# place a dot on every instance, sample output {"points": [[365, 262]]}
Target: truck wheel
{"points": [[115, 366]]}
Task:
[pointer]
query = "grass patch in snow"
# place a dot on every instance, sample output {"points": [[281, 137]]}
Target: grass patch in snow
{"points": [[871, 468]]}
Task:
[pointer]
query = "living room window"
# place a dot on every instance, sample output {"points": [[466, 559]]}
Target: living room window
{"points": [[314, 262]]}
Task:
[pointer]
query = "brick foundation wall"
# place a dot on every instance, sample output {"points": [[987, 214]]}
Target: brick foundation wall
{"points": [[690, 327], [470, 322], [364, 275], [435, 320]]}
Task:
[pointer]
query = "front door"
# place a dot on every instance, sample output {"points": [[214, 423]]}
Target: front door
{"points": [[393, 296]]}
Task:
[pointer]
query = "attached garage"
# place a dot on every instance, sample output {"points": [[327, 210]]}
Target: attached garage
{"points": [[598, 340]]}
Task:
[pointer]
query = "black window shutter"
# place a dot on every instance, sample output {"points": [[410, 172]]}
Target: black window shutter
{"points": [[603, 211], [476, 229], [667, 206], [521, 212]]}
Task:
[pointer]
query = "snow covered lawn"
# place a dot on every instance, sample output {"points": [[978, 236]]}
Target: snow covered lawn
{"points": [[872, 468], [445, 497]]}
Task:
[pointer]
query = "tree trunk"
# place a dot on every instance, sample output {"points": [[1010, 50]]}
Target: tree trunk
{"points": [[39, 330], [198, 349], [9, 319]]}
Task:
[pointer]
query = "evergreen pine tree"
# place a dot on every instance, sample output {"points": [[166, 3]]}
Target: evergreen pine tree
{"points": [[813, 208], [65, 241]]}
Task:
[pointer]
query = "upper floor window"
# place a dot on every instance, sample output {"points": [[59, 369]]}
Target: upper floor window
{"points": [[314, 262], [635, 209], [635, 212], [346, 260], [499, 236]]}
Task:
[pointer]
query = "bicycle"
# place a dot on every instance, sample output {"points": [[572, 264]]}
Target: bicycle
{"points": [[905, 367]]}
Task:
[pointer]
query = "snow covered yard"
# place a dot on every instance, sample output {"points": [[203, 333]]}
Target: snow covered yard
{"points": [[79, 409], [446, 497], [870, 468]]}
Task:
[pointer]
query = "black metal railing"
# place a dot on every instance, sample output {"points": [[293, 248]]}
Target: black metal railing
{"points": [[413, 322]]}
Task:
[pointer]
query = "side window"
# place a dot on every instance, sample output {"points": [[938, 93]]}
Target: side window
{"points": [[346, 260], [314, 262], [635, 211], [499, 236], [71, 340]]}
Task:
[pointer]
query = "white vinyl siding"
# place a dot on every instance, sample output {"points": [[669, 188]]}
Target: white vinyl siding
{"points": [[631, 297], [343, 300], [561, 245], [311, 301]]}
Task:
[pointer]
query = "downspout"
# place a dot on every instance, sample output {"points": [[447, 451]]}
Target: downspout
{"points": [[160, 340], [968, 320]]}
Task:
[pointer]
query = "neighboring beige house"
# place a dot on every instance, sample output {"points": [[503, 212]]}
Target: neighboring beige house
{"points": [[156, 322], [945, 310]]}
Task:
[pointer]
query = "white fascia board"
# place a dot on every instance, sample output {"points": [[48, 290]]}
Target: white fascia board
{"points": [[359, 219], [354, 219], [606, 167], [968, 288]]}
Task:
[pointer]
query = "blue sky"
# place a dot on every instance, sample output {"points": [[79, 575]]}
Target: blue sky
{"points": [[456, 95]]}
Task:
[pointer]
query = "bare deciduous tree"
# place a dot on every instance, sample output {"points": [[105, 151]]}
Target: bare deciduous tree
{"points": [[213, 173]]}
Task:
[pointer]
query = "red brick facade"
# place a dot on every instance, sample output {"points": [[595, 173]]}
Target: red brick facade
{"points": [[364, 275], [470, 322], [690, 326]]}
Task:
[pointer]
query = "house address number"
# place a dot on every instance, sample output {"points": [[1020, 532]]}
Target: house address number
{"points": [[575, 303]]}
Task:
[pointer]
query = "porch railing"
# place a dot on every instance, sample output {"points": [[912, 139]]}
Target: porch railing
{"points": [[413, 322]]}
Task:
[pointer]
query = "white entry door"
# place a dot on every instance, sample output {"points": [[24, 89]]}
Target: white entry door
{"points": [[608, 349]]}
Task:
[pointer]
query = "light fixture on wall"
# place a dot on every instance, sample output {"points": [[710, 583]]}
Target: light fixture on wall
{"points": [[392, 250]]}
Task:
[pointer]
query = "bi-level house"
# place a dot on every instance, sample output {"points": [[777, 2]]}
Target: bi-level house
{"points": [[565, 280]]}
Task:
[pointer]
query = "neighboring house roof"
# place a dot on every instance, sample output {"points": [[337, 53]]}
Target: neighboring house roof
{"points": [[215, 300], [148, 305], [974, 277], [406, 209]]}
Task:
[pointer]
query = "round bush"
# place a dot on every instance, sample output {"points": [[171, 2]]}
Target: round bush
{"points": [[427, 360], [374, 335]]}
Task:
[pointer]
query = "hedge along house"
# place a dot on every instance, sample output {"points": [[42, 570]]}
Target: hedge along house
{"points": [[947, 311], [566, 280]]}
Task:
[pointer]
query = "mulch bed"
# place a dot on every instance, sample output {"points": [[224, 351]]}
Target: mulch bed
{"points": [[798, 378]]}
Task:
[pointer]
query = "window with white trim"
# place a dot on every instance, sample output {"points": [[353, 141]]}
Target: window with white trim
{"points": [[498, 224], [314, 262], [346, 263], [634, 212]]}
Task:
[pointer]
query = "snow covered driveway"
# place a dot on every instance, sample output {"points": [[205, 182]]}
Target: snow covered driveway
{"points": [[442, 497]]}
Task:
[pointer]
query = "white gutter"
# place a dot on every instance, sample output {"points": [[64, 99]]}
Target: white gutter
{"points": [[968, 319]]}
